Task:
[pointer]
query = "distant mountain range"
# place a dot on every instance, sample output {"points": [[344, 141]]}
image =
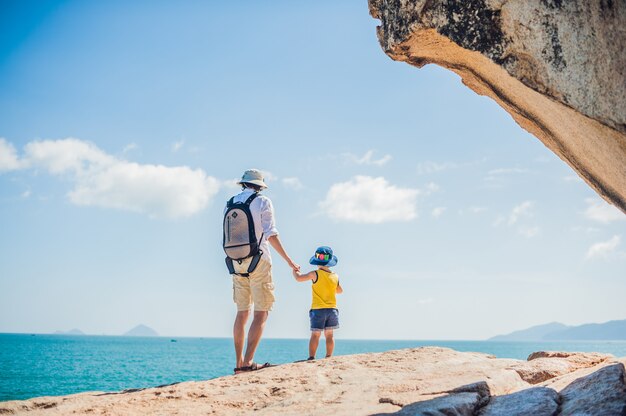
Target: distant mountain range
{"points": [[555, 331], [141, 331], [138, 331]]}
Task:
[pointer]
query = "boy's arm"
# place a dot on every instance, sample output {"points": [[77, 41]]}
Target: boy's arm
{"points": [[339, 288], [303, 277]]}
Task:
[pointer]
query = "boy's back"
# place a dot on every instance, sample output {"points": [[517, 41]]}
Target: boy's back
{"points": [[324, 289]]}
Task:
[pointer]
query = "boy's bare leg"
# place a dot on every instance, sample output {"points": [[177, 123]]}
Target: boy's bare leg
{"points": [[254, 335], [330, 342], [239, 335], [314, 342]]}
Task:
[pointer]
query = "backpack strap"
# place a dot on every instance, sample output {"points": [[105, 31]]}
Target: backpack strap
{"points": [[251, 198], [251, 267], [248, 201], [254, 262], [251, 230]]}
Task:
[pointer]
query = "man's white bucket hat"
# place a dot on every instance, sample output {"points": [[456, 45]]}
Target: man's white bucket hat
{"points": [[253, 176]]}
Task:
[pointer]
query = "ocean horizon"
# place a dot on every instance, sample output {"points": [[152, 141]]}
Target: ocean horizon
{"points": [[33, 365]]}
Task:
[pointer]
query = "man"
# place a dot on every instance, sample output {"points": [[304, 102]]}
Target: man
{"points": [[258, 287]]}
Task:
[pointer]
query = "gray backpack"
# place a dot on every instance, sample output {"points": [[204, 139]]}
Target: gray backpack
{"points": [[240, 242]]}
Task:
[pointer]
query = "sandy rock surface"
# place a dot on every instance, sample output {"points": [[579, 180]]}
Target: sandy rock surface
{"points": [[429, 380], [557, 67], [542, 366]]}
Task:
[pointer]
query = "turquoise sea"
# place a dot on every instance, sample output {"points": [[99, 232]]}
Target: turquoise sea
{"points": [[45, 365]]}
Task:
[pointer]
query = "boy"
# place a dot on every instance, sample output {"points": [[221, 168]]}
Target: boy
{"points": [[323, 314]]}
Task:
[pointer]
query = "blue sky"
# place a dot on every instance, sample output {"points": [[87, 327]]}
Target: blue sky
{"points": [[123, 126]]}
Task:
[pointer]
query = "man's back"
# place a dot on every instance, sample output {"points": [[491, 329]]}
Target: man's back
{"points": [[262, 212]]}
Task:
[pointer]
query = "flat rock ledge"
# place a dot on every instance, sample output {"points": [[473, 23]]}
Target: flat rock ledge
{"points": [[422, 381], [557, 67]]}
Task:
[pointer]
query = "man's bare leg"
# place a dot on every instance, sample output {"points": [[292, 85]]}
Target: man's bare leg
{"points": [[330, 342], [239, 335], [254, 335], [313, 342]]}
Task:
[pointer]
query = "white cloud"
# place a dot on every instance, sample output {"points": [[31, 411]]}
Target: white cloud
{"points": [[107, 181], [292, 183], [365, 199], [428, 167], [156, 190], [573, 178], [269, 176], [176, 146], [474, 209], [67, 155], [367, 159], [506, 171], [501, 219], [130, 147], [497, 178], [231, 185], [26, 194], [522, 210], [477, 209], [8, 157], [579, 228], [437, 212], [601, 211], [543, 159], [529, 232], [431, 188], [603, 248]]}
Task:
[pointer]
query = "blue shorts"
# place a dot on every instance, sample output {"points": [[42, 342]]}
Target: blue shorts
{"points": [[322, 319]]}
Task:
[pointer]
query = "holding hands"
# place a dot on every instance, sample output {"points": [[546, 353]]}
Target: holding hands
{"points": [[278, 246], [294, 266]]}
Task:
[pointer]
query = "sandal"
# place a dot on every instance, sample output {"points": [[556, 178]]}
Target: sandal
{"points": [[254, 367], [308, 359]]}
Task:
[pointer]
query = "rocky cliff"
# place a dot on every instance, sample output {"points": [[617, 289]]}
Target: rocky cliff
{"points": [[422, 381], [558, 67]]}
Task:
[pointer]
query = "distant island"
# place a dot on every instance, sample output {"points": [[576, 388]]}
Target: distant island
{"points": [[141, 331], [555, 331], [138, 331], [74, 331]]}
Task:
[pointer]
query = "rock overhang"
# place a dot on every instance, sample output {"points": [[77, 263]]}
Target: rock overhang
{"points": [[556, 67]]}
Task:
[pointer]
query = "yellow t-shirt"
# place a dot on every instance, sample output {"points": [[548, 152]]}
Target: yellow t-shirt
{"points": [[324, 290]]}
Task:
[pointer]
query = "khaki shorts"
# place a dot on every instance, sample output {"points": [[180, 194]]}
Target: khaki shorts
{"points": [[258, 288]]}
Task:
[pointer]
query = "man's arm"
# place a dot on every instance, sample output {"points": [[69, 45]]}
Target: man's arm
{"points": [[303, 277], [278, 246], [270, 231]]}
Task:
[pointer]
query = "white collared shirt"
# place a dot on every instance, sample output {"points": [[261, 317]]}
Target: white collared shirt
{"points": [[263, 216]]}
